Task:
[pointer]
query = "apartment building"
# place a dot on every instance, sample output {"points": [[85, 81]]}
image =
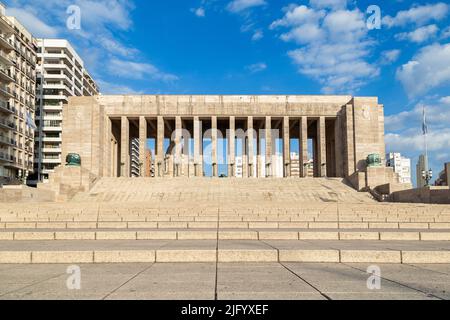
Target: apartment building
{"points": [[60, 74], [401, 165], [17, 99], [134, 155]]}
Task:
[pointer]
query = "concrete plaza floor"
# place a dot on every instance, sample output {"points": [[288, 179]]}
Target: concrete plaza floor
{"points": [[225, 281]]}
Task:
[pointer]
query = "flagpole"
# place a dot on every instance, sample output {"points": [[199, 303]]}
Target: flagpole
{"points": [[428, 172]]}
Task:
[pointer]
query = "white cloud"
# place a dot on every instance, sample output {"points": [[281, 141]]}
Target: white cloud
{"points": [[445, 33], [429, 69], [418, 15], [199, 12], [304, 34], [297, 16], [334, 4], [404, 132], [237, 6], [390, 56], [258, 35], [445, 100], [114, 88], [419, 35], [35, 25], [334, 45], [257, 67], [135, 70]]}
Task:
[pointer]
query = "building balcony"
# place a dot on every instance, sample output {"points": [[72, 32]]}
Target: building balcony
{"points": [[6, 157], [50, 139], [52, 129], [5, 59], [6, 107], [55, 97], [53, 108], [5, 76], [7, 124], [6, 92], [5, 43], [51, 150], [51, 160], [7, 141]]}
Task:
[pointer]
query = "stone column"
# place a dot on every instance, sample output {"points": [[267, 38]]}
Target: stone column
{"points": [[338, 147], [286, 147], [178, 147], [108, 152], [259, 156], [232, 148], [142, 146], [350, 163], [251, 153], [303, 156], [322, 147], [268, 147], [160, 148], [125, 148], [198, 161], [214, 146]]}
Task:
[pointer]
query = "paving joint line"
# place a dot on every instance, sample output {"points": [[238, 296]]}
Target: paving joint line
{"points": [[399, 283], [31, 285], [128, 281], [295, 274]]}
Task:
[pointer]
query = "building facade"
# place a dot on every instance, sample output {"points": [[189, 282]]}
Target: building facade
{"points": [[61, 74], [342, 131], [17, 98], [422, 166], [401, 165], [444, 176]]}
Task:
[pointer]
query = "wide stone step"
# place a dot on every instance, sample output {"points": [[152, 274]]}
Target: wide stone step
{"points": [[65, 252], [223, 234], [228, 224]]}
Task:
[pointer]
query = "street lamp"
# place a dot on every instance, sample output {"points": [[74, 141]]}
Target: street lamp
{"points": [[427, 176]]}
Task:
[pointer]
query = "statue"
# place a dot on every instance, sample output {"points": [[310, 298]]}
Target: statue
{"points": [[373, 160], [73, 160]]}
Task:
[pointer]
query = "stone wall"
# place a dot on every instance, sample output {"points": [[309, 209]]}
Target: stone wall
{"points": [[435, 195], [24, 194]]}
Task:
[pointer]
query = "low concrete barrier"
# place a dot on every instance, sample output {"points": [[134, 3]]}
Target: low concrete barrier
{"points": [[433, 195], [11, 194]]}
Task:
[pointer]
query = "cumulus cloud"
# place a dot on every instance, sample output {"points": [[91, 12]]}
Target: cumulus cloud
{"points": [[199, 12], [135, 70], [258, 35], [420, 35], [390, 56], [237, 6], [404, 132], [429, 69], [334, 44], [418, 15], [334, 4], [35, 25]]}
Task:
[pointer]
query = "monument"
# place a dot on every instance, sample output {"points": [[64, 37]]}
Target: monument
{"points": [[190, 133]]}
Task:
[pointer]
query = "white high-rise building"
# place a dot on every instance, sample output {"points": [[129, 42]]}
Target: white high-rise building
{"points": [[60, 74], [134, 157], [17, 98], [401, 165]]}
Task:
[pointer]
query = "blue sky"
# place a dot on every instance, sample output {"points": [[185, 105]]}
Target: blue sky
{"points": [[269, 47]]}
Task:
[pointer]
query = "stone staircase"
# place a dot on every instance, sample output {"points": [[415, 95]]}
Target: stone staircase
{"points": [[224, 220], [229, 190]]}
